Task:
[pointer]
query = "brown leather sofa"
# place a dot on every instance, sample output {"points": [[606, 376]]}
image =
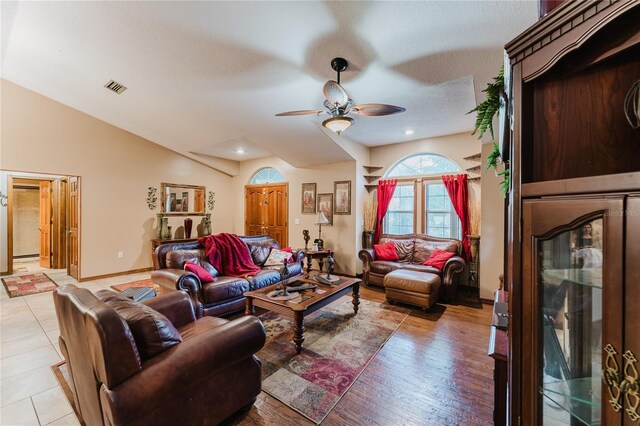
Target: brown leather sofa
{"points": [[208, 376], [224, 295], [413, 250]]}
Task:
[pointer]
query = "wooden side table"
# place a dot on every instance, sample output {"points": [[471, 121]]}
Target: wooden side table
{"points": [[316, 254]]}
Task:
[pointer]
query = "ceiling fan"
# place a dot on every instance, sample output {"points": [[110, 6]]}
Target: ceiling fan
{"points": [[338, 104]]}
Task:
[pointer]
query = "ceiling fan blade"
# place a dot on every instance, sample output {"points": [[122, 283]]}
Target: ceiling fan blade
{"points": [[377, 109], [300, 112], [335, 93]]}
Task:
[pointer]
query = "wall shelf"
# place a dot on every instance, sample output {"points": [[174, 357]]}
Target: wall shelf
{"points": [[371, 169], [475, 169], [371, 178], [474, 157], [371, 187]]}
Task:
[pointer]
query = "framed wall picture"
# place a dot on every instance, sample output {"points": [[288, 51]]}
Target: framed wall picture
{"points": [[342, 195], [308, 198], [325, 205]]}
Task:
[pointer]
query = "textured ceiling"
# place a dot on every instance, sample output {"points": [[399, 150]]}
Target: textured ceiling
{"points": [[207, 77]]}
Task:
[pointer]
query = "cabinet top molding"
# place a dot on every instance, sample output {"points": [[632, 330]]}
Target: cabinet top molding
{"points": [[565, 21]]}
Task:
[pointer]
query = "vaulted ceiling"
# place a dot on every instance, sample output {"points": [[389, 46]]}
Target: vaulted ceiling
{"points": [[207, 78]]}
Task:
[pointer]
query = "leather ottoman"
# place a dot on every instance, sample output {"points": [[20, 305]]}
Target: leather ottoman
{"points": [[412, 287]]}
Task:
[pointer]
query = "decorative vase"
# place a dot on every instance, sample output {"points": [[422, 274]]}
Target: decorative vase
{"points": [[474, 241], [367, 239], [206, 228], [159, 230], [188, 224], [169, 232], [166, 229]]}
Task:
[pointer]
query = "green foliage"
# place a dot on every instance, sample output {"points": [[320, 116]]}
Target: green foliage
{"points": [[506, 181], [489, 108], [492, 159]]}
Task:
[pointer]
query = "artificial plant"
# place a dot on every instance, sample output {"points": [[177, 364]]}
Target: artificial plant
{"points": [[486, 111]]}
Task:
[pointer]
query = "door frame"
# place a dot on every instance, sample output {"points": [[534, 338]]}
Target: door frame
{"points": [[264, 185], [10, 195]]}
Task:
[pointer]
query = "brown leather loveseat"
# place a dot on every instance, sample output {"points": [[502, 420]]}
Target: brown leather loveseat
{"points": [[131, 366], [224, 295], [413, 250]]}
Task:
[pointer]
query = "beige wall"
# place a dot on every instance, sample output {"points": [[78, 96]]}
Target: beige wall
{"points": [[116, 167], [26, 221], [492, 235], [340, 237]]}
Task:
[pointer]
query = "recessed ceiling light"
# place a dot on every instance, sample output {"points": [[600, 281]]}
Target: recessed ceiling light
{"points": [[240, 151], [409, 132]]}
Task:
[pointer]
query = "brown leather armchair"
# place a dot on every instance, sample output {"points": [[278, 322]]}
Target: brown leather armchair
{"points": [[209, 375]]}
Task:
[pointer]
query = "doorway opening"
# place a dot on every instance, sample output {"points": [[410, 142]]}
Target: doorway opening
{"points": [[43, 223]]}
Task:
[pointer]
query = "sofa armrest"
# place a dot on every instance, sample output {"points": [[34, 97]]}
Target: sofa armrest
{"points": [[367, 256], [181, 280], [183, 368], [298, 256], [176, 306], [454, 266]]}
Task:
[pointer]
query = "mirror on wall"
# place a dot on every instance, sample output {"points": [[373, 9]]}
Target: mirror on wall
{"points": [[182, 200]]}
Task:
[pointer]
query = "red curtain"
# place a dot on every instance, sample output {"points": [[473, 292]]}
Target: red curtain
{"points": [[457, 188], [386, 188]]}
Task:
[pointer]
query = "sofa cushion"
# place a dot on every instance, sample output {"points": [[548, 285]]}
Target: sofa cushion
{"points": [[386, 251], [423, 249], [278, 257], [404, 247], [260, 250], [223, 289], [384, 266], [422, 268], [175, 258], [152, 331], [264, 278], [438, 258], [203, 274]]}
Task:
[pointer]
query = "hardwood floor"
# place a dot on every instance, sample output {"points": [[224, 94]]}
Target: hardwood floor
{"points": [[433, 371]]}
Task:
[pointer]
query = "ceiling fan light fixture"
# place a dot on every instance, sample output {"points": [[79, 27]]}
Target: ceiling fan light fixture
{"points": [[338, 124]]}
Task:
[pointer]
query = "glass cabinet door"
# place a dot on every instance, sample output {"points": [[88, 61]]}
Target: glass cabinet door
{"points": [[572, 307], [570, 282]]}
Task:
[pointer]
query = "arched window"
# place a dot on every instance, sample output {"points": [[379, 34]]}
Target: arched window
{"points": [[422, 165], [267, 175], [422, 205]]}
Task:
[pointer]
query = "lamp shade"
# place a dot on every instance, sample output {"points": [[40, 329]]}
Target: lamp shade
{"points": [[322, 219], [338, 124]]}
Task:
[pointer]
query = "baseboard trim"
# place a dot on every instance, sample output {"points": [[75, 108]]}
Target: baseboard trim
{"points": [[115, 274], [4, 273], [486, 301]]}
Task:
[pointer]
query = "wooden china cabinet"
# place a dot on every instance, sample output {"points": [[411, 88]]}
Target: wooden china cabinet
{"points": [[572, 262]]}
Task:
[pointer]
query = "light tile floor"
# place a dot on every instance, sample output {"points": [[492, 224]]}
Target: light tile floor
{"points": [[29, 392]]}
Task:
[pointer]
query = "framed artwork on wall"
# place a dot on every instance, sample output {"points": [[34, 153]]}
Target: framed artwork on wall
{"points": [[308, 198], [325, 205], [342, 195]]}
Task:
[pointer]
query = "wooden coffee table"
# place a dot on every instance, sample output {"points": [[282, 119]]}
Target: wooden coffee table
{"points": [[311, 301]]}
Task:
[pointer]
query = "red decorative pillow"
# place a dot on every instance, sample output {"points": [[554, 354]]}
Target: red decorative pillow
{"points": [[205, 277], [438, 258], [386, 251]]}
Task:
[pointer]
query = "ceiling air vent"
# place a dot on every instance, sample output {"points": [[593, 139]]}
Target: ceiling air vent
{"points": [[114, 86]]}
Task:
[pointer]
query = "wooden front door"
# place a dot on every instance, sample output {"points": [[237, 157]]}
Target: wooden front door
{"points": [[267, 211], [73, 220], [45, 224]]}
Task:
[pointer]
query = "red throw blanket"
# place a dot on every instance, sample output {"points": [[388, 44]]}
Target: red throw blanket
{"points": [[229, 255]]}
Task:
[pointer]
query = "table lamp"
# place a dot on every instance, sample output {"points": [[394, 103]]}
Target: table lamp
{"points": [[321, 220]]}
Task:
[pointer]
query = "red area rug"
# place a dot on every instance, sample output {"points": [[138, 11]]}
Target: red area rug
{"points": [[141, 283], [338, 347], [28, 284]]}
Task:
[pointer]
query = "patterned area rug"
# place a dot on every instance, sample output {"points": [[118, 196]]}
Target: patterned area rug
{"points": [[338, 346], [28, 284], [141, 283]]}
